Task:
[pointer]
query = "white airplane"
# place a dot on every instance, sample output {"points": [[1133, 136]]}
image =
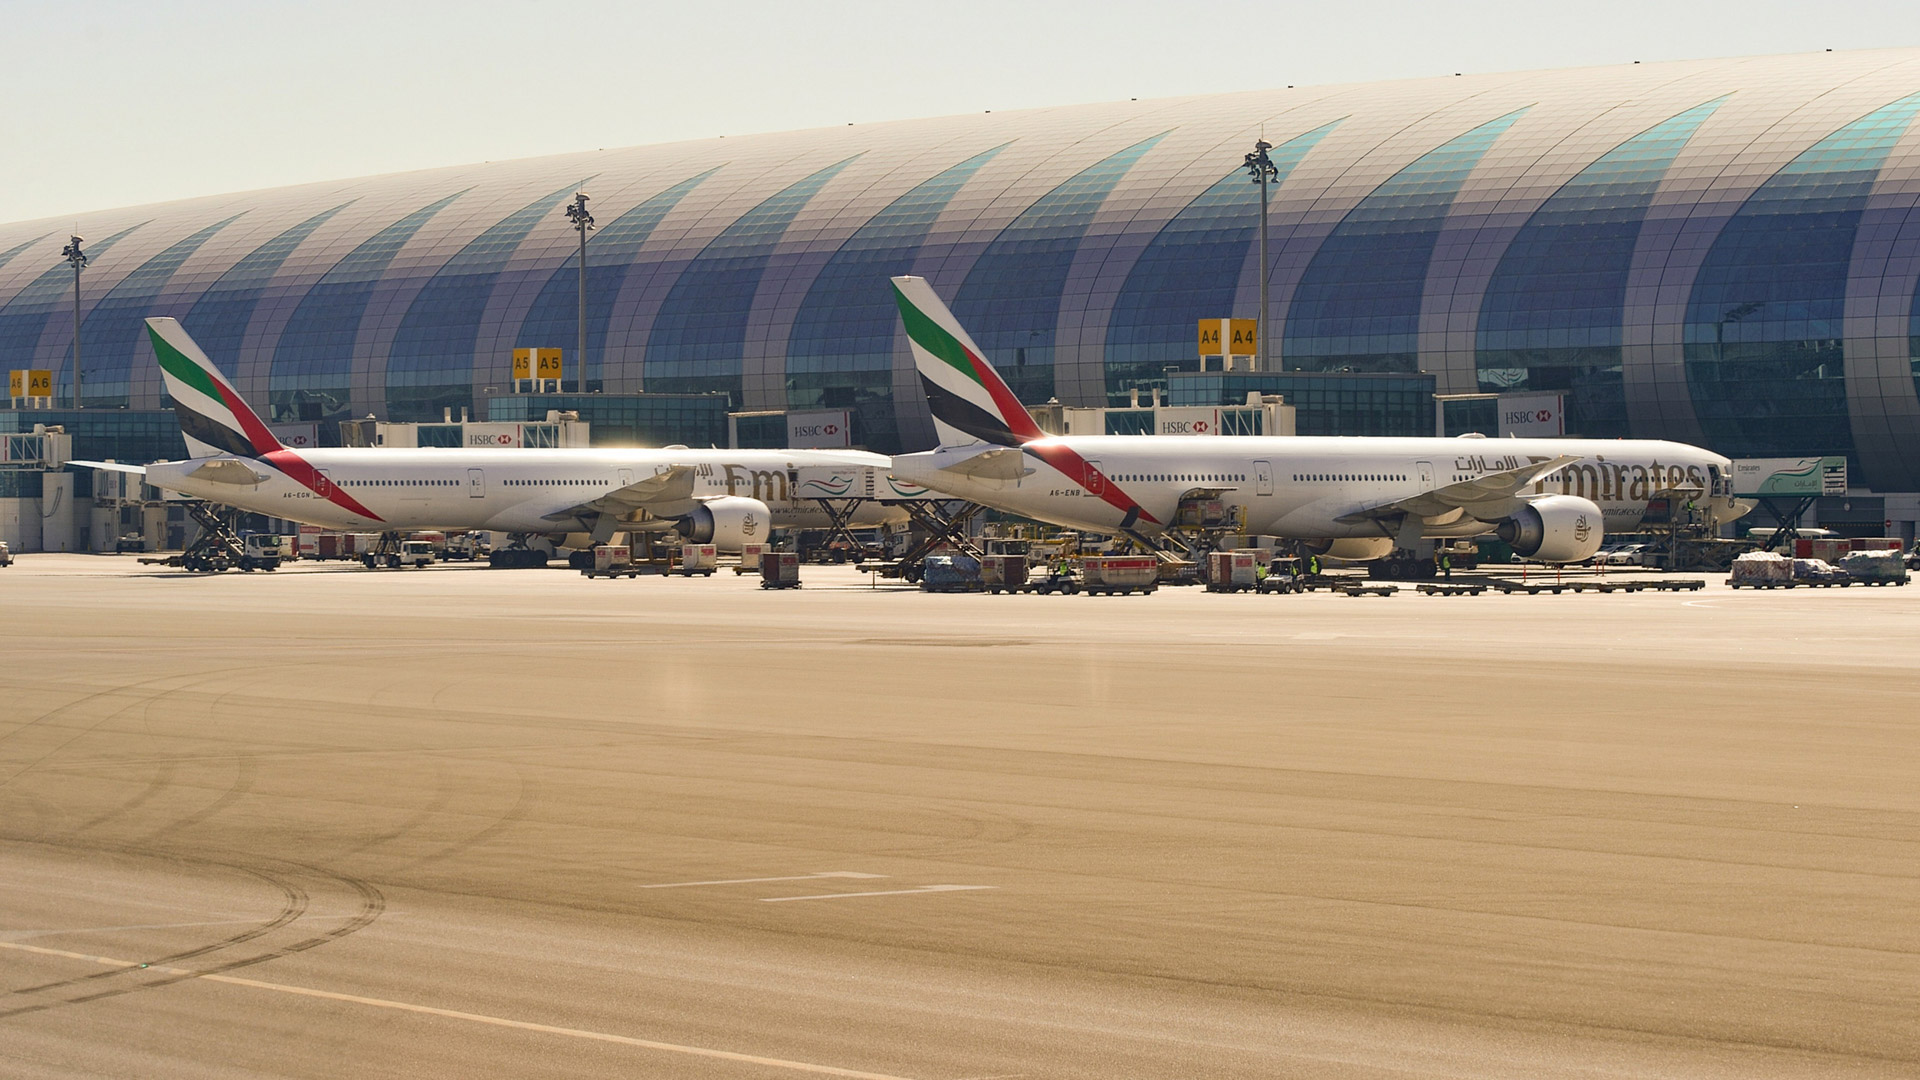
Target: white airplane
{"points": [[542, 497], [1352, 498]]}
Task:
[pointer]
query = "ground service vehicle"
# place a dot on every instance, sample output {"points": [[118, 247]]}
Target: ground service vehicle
{"points": [[262, 551]]}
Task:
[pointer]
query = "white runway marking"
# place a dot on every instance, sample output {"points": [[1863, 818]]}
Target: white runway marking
{"points": [[887, 892], [754, 880], [477, 1018]]}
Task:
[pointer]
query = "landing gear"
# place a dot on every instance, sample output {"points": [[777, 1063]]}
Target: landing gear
{"points": [[520, 558], [1401, 569]]}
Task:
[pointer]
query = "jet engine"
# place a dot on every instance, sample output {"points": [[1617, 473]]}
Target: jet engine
{"points": [[1556, 529], [727, 522]]}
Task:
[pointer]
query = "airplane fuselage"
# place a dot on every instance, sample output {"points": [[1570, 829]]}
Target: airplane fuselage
{"points": [[509, 490], [1302, 487]]}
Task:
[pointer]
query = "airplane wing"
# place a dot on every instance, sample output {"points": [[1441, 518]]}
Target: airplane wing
{"points": [[997, 463], [672, 484], [111, 466], [1494, 493], [228, 471]]}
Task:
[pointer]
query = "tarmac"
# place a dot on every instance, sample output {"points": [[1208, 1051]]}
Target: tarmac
{"points": [[459, 822]]}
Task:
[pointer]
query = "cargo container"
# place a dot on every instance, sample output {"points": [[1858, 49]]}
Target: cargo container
{"points": [[1122, 574], [780, 570], [950, 573], [750, 558], [1003, 573], [699, 559], [1876, 567], [1231, 571], [1761, 570]]}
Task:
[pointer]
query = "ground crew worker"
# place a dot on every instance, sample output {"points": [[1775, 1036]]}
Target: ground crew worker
{"points": [[1259, 573], [1446, 563], [1313, 566]]}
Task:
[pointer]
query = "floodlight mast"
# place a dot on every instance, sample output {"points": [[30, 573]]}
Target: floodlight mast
{"points": [[582, 221], [1261, 169], [78, 260]]}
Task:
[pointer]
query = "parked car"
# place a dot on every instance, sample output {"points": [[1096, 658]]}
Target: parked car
{"points": [[132, 541], [6, 554], [1624, 555]]}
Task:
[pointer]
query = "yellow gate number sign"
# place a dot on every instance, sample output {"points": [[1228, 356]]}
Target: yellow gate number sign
{"points": [[30, 382], [1244, 340], [536, 363]]}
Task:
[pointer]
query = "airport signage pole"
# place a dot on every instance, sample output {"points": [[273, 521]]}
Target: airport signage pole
{"points": [[582, 221], [78, 260], [1262, 170]]}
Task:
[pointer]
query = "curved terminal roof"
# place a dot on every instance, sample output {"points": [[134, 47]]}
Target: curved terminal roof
{"points": [[1719, 251]]}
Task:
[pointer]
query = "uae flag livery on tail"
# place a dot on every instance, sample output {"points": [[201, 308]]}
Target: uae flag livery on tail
{"points": [[213, 417], [969, 401]]}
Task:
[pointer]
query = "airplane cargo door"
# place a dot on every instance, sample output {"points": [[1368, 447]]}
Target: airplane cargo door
{"points": [[626, 478], [1096, 484], [322, 484], [477, 483], [1426, 474], [1263, 478]]}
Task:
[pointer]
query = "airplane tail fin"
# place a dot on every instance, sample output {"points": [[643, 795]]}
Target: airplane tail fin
{"points": [[213, 416], [971, 404]]}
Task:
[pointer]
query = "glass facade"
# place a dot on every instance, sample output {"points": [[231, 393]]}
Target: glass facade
{"points": [[1190, 270], [219, 319], [626, 419], [554, 320], [26, 313], [1764, 334], [137, 436], [1324, 403], [699, 338], [1698, 250], [1358, 306], [431, 361], [313, 365], [840, 353], [1552, 313], [1010, 302], [113, 332]]}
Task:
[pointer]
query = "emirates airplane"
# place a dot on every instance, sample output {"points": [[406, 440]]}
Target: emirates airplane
{"points": [[541, 497], [1366, 499]]}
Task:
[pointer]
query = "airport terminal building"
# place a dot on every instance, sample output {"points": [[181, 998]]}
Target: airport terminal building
{"points": [[1722, 252]]}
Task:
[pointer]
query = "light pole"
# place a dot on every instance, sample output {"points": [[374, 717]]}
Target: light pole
{"points": [[1261, 168], [582, 221], [78, 260]]}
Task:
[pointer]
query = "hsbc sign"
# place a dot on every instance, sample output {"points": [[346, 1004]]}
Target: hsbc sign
{"points": [[1186, 421], [1532, 416], [827, 429]]}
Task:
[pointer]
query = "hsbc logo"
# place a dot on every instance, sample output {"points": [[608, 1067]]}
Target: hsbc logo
{"points": [[1521, 417]]}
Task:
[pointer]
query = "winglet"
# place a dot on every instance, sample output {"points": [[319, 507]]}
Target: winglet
{"points": [[970, 403], [213, 417]]}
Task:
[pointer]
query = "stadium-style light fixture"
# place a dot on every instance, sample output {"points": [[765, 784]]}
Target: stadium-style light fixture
{"points": [[1261, 169], [583, 222], [78, 260]]}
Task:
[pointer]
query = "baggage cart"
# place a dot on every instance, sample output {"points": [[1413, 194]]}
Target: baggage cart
{"points": [[699, 559], [1004, 573]]}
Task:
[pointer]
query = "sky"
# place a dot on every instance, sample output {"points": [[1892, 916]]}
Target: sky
{"points": [[105, 103]]}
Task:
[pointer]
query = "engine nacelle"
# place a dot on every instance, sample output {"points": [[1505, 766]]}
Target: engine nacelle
{"points": [[728, 522], [1352, 548], [1556, 529]]}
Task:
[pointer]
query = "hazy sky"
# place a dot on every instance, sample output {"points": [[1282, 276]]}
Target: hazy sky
{"points": [[106, 103]]}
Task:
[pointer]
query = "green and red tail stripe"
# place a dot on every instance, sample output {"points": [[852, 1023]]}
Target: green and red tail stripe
{"points": [[216, 420], [971, 404]]}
